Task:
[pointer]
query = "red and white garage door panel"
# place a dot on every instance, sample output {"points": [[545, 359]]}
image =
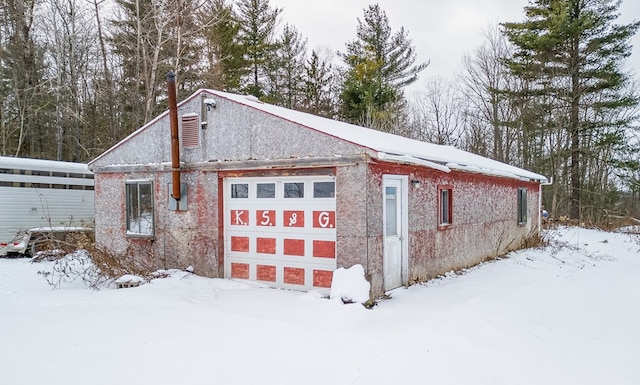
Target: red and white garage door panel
{"points": [[281, 230]]}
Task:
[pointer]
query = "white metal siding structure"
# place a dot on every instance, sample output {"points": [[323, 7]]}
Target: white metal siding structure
{"points": [[40, 193], [280, 230]]}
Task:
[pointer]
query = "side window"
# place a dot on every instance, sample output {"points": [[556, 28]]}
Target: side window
{"points": [[445, 206], [522, 206], [139, 202]]}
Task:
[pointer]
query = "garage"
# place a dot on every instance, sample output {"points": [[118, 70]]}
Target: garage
{"points": [[263, 189], [281, 231]]}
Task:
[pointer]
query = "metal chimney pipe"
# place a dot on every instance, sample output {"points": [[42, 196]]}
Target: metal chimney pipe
{"points": [[175, 141]]}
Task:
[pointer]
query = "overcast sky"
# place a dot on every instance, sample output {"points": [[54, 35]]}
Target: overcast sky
{"points": [[442, 31]]}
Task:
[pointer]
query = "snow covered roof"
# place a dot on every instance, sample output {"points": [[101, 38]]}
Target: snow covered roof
{"points": [[389, 146], [41, 164]]}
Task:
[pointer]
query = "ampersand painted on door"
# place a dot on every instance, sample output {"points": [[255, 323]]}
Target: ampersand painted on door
{"points": [[294, 218]]}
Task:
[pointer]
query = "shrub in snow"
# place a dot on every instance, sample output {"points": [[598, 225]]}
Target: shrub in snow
{"points": [[74, 267], [82, 261], [93, 267], [350, 285]]}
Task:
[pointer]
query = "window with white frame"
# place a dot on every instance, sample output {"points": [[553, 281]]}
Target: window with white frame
{"points": [[522, 206], [445, 206], [139, 202]]}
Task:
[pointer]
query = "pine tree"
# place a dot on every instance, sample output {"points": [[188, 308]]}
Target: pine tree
{"points": [[571, 52], [365, 95], [380, 64], [227, 64], [258, 22], [318, 86], [286, 69]]}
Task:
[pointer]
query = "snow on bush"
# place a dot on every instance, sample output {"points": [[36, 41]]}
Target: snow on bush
{"points": [[73, 267]]}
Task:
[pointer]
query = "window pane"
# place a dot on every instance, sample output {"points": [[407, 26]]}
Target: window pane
{"points": [[444, 207], [522, 205], [133, 210], [391, 225], [324, 189], [139, 201], [146, 209], [239, 190], [266, 190], [294, 190]]}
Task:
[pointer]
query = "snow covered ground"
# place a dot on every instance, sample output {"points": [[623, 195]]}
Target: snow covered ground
{"points": [[565, 314]]}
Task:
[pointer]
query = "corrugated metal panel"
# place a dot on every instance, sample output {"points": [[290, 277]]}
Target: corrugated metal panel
{"points": [[23, 208], [43, 193]]}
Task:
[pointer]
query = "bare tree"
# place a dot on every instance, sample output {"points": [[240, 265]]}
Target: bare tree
{"points": [[438, 116], [151, 38], [68, 30], [483, 83]]}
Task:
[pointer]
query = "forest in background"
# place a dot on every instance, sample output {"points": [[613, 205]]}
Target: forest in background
{"points": [[549, 93]]}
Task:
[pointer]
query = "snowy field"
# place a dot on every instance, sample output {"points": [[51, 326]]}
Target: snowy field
{"points": [[565, 314]]}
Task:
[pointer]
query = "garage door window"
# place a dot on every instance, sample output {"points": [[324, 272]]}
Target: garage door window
{"points": [[239, 190], [324, 189], [266, 190], [294, 190]]}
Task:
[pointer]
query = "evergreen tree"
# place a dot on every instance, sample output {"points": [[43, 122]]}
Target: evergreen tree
{"points": [[258, 22], [379, 65], [227, 64], [318, 87], [286, 69], [364, 94], [184, 45], [571, 53]]}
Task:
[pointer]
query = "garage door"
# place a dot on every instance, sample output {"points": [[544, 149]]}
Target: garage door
{"points": [[281, 231]]}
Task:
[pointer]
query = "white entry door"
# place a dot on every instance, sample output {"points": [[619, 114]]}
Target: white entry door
{"points": [[395, 260]]}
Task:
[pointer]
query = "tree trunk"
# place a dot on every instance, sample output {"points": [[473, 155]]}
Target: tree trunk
{"points": [[574, 129]]}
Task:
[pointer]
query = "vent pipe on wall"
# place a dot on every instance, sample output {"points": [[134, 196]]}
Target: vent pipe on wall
{"points": [[175, 141]]}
